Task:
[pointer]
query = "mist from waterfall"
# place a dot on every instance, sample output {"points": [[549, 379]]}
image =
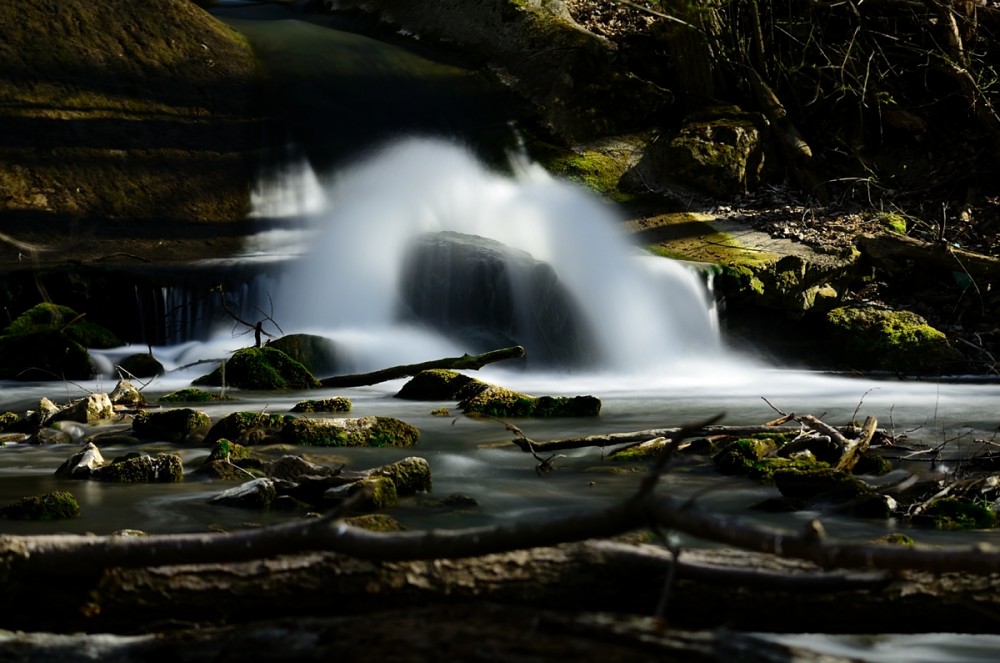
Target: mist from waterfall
{"points": [[646, 313]]}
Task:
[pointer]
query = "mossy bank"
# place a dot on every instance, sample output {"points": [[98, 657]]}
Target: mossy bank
{"points": [[119, 114]]}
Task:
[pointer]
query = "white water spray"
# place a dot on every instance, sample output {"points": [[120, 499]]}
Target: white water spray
{"points": [[646, 312]]}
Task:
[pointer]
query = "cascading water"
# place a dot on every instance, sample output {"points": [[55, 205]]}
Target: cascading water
{"points": [[644, 312]]}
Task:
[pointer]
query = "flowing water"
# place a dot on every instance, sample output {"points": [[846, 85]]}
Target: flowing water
{"points": [[339, 234]]}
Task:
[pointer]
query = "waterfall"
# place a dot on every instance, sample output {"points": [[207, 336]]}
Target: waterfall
{"points": [[645, 312]]}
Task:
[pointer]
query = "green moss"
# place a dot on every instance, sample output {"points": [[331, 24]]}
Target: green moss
{"points": [[226, 450], [9, 420], [892, 221], [46, 318], [595, 170], [336, 404], [440, 385], [819, 484], [248, 427], [898, 341], [362, 432], [140, 468], [499, 402], [743, 455], [765, 469], [376, 522], [410, 475], [264, 368], [58, 505], [174, 426], [189, 395], [950, 513]]}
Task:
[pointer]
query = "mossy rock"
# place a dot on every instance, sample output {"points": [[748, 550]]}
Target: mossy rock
{"points": [[141, 468], [10, 421], [317, 353], [952, 513], [142, 365], [176, 426], [261, 368], [360, 432], [411, 475], [500, 402], [230, 461], [440, 384], [818, 484], [58, 505], [335, 404], [189, 395], [871, 338], [248, 427], [741, 456], [382, 493], [46, 317], [46, 355], [376, 522]]}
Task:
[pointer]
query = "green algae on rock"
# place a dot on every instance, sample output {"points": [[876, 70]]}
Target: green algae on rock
{"points": [[440, 384], [898, 341], [189, 395], [263, 368], [500, 402], [58, 505], [248, 427], [142, 468], [334, 404], [177, 426], [360, 432]]}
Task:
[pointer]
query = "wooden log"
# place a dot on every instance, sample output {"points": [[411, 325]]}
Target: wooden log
{"points": [[613, 439], [465, 362], [896, 252]]}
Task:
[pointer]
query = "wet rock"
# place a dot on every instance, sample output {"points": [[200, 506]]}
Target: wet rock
{"points": [[249, 427], [140, 468], [454, 282], [440, 385], [127, 394], [335, 404], [58, 505], [93, 409], [177, 426], [189, 395], [48, 355], [317, 353], [345, 432], [82, 464], [255, 494], [141, 365], [499, 402], [871, 338], [373, 493], [264, 368]]}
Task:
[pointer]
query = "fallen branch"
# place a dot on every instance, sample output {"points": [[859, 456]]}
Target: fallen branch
{"points": [[613, 439], [465, 362]]}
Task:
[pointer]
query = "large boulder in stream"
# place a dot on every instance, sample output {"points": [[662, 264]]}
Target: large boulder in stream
{"points": [[260, 368], [486, 293]]}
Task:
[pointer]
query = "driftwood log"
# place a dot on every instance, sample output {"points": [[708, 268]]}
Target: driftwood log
{"points": [[904, 252], [465, 362]]}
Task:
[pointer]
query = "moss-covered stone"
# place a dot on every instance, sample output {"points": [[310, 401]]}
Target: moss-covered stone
{"points": [[950, 513], [818, 484], [897, 341], [177, 426], [317, 353], [376, 522], [46, 355], [410, 475], [360, 432], [140, 468], [741, 456], [500, 402], [10, 421], [248, 427], [264, 368], [335, 404], [45, 317], [381, 491], [141, 365], [189, 395], [440, 384], [230, 461], [58, 505]]}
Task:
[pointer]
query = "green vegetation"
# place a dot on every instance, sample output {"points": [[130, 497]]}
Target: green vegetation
{"points": [[499, 402], [335, 404], [248, 427], [955, 513], [177, 426], [898, 341], [263, 368], [59, 505], [189, 395], [141, 468], [362, 432]]}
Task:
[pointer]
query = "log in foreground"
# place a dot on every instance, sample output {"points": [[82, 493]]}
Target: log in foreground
{"points": [[465, 362]]}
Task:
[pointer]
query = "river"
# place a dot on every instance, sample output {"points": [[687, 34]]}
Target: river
{"points": [[669, 364]]}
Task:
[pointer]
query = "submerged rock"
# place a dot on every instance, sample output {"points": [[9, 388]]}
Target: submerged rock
{"points": [[255, 494], [499, 402], [335, 404], [248, 427], [140, 468]]}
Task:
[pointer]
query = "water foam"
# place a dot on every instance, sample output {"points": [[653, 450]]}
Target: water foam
{"points": [[645, 311]]}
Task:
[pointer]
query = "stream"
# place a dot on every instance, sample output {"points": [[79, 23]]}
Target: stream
{"points": [[338, 214]]}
